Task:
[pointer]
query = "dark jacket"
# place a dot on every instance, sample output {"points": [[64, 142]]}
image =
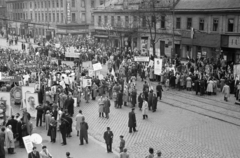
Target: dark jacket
{"points": [[69, 105], [132, 120], [108, 137], [13, 123], [31, 155]]}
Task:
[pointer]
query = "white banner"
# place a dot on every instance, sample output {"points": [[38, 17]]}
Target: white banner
{"points": [[72, 55], [97, 66], [28, 143], [141, 58], [157, 66], [87, 82]]}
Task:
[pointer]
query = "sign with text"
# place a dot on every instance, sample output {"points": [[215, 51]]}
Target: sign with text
{"points": [[234, 42], [68, 12], [157, 66], [97, 66], [28, 143]]}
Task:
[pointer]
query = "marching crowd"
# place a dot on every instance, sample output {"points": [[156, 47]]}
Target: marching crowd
{"points": [[60, 87]]}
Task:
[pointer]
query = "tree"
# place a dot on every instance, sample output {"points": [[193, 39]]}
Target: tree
{"points": [[152, 17]]}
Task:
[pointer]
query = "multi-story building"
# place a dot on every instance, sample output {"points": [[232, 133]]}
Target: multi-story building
{"points": [[216, 27], [117, 23], [47, 18], [201, 28]]}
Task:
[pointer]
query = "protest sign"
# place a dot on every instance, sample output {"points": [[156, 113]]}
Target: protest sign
{"points": [[141, 58], [97, 66], [157, 66], [87, 82], [28, 143]]}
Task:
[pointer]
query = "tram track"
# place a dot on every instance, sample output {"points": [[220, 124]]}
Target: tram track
{"points": [[205, 102], [204, 111]]}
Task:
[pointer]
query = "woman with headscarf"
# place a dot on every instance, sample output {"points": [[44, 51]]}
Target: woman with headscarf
{"points": [[52, 131]]}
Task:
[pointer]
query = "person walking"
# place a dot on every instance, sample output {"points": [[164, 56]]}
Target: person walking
{"points": [[122, 143], [159, 154], [2, 140], [9, 140], [151, 153], [39, 115], [145, 109], [45, 153], [52, 131], [155, 101], [47, 119], [79, 119], [69, 124], [69, 104], [101, 106], [226, 92], [83, 131], [107, 105], [63, 130], [132, 121], [108, 137], [13, 123], [159, 91], [68, 155], [34, 153]]}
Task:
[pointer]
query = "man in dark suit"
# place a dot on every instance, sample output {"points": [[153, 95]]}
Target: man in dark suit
{"points": [[108, 137], [63, 129], [13, 123], [69, 104], [40, 111], [159, 90], [132, 121]]}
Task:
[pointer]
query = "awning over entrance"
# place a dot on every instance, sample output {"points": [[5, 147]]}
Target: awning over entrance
{"points": [[100, 36]]}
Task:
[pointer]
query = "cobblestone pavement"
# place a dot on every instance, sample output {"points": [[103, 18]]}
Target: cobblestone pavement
{"points": [[176, 131]]}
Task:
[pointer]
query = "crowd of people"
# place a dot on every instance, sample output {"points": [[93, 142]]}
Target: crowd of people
{"points": [[60, 88]]}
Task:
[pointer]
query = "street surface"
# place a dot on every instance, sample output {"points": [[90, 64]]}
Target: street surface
{"points": [[184, 126]]}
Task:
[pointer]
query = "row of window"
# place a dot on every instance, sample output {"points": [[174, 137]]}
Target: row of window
{"points": [[144, 22], [134, 23], [215, 24], [53, 4], [48, 17]]}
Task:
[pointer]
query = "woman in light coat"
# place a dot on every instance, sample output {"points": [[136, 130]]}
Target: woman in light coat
{"points": [[210, 87], [101, 106], [189, 83], [226, 92], [9, 140], [145, 109]]}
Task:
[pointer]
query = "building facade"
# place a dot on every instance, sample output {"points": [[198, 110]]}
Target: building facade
{"points": [[118, 25], [215, 26], [48, 18]]}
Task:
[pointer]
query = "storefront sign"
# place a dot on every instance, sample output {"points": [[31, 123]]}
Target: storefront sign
{"points": [[234, 42], [68, 12]]}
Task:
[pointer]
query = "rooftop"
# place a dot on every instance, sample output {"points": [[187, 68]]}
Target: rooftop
{"points": [[207, 4]]}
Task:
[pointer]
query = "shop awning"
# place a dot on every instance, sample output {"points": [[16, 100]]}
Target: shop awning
{"points": [[101, 36]]}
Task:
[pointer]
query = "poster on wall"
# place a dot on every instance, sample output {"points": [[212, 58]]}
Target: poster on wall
{"points": [[26, 89], [5, 102], [32, 103], [157, 66]]}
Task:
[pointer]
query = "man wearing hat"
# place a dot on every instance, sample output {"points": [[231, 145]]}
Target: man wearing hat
{"points": [[132, 123], [122, 143], [159, 154]]}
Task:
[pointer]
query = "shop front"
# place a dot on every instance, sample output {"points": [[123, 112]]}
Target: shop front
{"points": [[72, 29], [202, 45], [230, 45]]}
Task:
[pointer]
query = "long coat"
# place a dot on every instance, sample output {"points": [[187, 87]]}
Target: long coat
{"points": [[189, 82], [79, 119], [9, 140], [100, 104], [84, 130], [70, 106], [226, 91], [107, 105], [132, 120], [47, 120], [2, 150], [108, 137], [145, 108]]}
